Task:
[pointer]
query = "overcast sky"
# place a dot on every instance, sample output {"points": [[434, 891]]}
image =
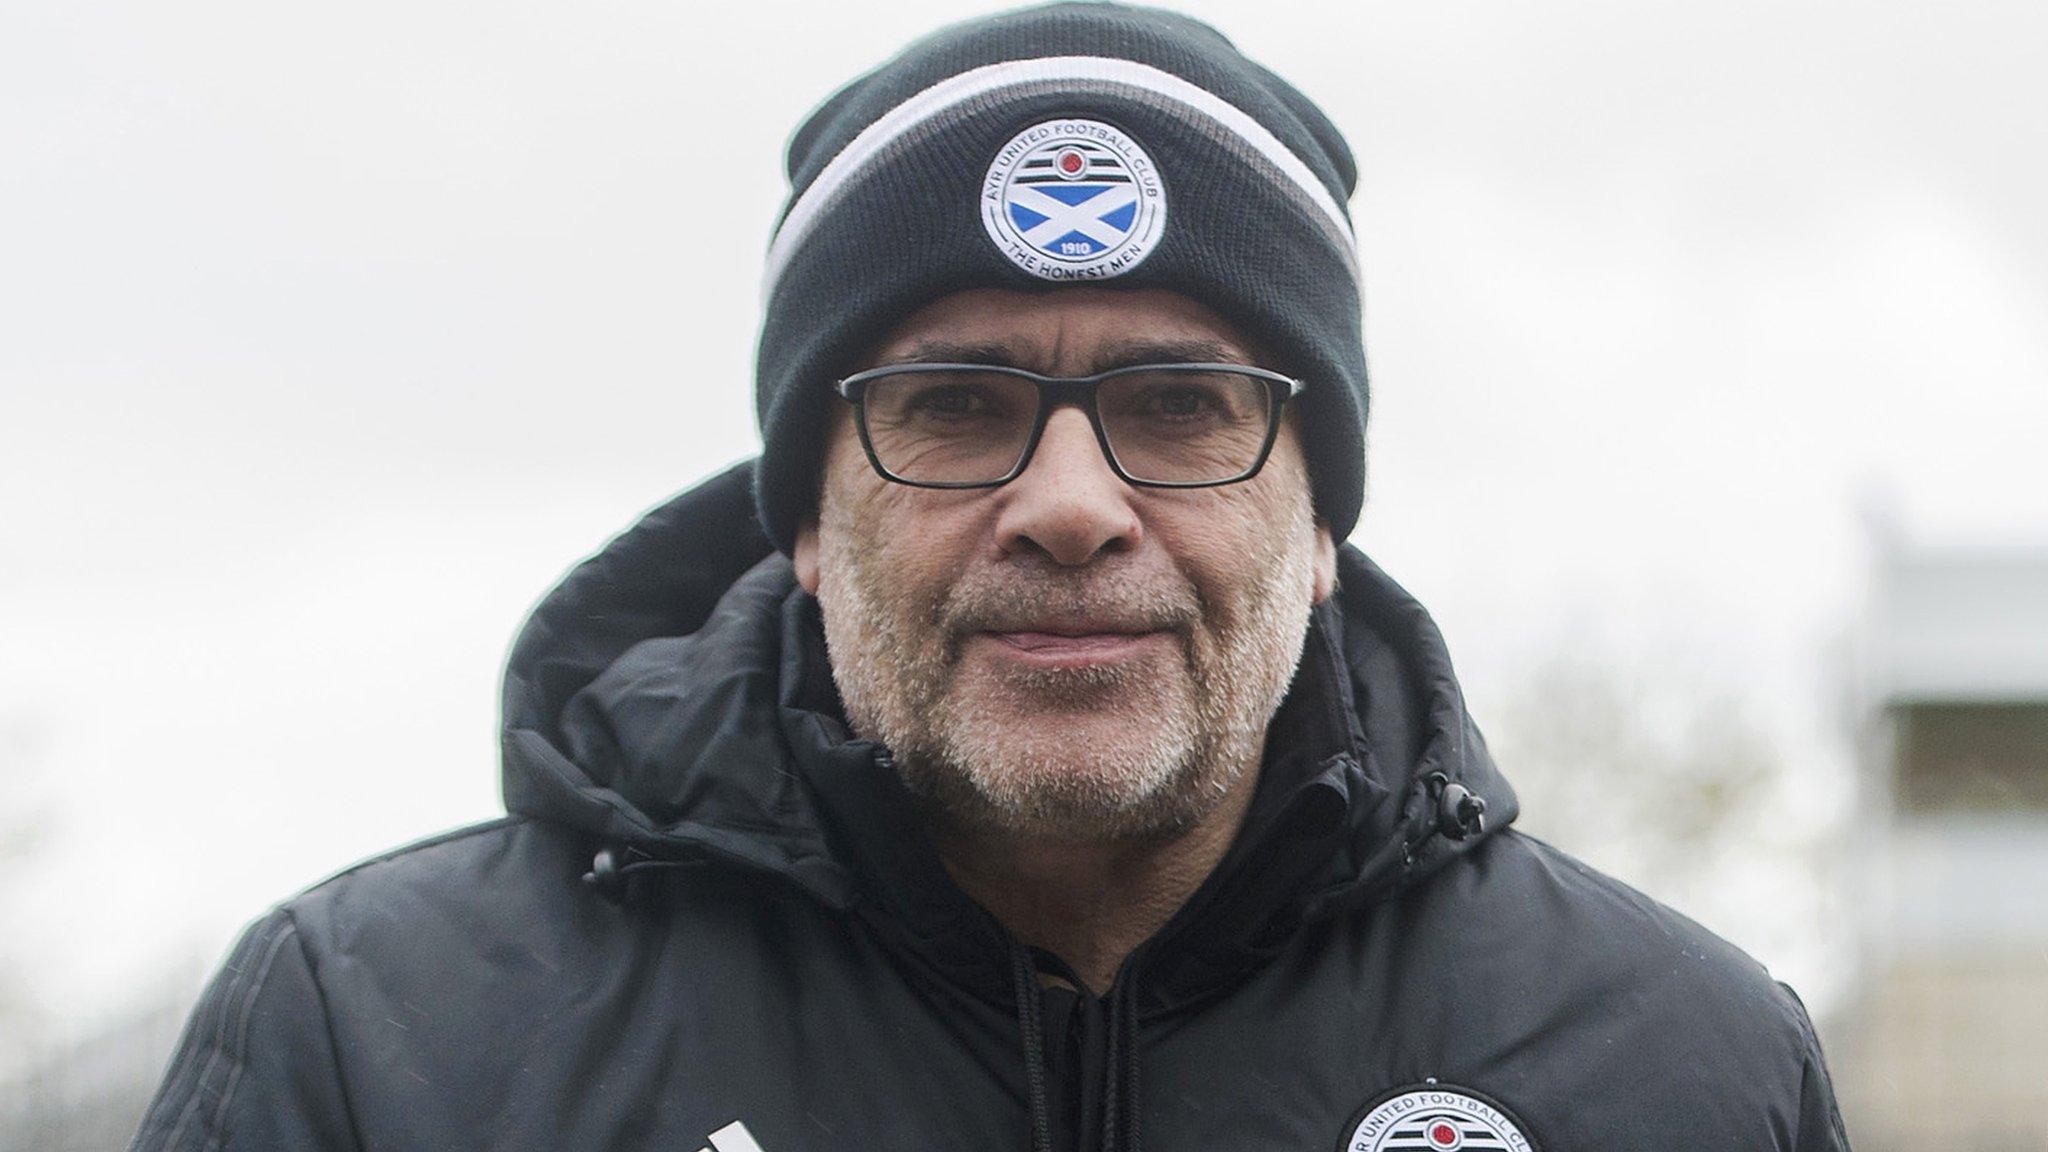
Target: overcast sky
{"points": [[331, 334]]}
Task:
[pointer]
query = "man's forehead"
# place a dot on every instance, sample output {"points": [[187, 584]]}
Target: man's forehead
{"points": [[1067, 330]]}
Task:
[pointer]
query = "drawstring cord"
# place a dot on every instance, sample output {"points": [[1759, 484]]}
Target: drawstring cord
{"points": [[609, 877], [1460, 813], [1112, 1073], [1032, 1023], [1120, 1128]]}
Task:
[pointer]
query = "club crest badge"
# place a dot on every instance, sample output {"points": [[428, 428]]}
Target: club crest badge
{"points": [[1073, 200], [1435, 1117]]}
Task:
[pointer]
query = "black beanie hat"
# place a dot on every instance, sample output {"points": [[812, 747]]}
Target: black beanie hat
{"points": [[1073, 143]]}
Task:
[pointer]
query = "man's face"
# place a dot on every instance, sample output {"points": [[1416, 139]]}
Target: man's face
{"points": [[1066, 656]]}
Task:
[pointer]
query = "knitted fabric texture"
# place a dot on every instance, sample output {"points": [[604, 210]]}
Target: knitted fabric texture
{"points": [[888, 183]]}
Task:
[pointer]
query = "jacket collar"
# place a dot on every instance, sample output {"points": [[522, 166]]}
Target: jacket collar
{"points": [[671, 700]]}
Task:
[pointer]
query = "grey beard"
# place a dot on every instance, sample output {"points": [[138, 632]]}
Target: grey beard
{"points": [[895, 660], [1153, 791]]}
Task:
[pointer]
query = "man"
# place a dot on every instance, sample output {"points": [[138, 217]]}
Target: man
{"points": [[1009, 758]]}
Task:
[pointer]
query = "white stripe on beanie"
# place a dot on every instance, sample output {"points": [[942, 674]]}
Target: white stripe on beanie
{"points": [[802, 218]]}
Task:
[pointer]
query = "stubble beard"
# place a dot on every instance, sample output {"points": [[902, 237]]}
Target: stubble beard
{"points": [[1128, 751]]}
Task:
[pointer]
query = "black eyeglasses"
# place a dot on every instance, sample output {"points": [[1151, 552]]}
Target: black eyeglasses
{"points": [[976, 425]]}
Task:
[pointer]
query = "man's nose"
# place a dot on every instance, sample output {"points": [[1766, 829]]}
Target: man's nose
{"points": [[1067, 504]]}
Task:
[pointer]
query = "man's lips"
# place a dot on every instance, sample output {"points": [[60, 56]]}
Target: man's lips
{"points": [[1060, 646]]}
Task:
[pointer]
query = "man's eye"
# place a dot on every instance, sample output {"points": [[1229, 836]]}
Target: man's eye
{"points": [[949, 400], [1182, 402]]}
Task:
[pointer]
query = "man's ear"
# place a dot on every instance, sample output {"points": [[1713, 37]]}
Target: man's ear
{"points": [[803, 553], [1326, 562]]}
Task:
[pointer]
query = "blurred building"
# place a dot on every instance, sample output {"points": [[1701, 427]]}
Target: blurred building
{"points": [[1946, 1042]]}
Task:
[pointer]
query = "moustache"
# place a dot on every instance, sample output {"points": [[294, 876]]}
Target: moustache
{"points": [[1013, 602]]}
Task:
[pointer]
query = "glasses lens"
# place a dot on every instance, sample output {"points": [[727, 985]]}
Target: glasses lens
{"points": [[1185, 425], [951, 427]]}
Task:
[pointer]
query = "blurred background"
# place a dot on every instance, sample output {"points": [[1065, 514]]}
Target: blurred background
{"points": [[1711, 388]]}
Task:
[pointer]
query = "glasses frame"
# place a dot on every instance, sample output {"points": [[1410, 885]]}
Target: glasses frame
{"points": [[1059, 391]]}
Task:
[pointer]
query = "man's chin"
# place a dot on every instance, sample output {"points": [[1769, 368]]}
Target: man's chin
{"points": [[1082, 774], [1069, 808]]}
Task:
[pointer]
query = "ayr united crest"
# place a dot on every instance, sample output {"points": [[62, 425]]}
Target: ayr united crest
{"points": [[1436, 1117], [1073, 200]]}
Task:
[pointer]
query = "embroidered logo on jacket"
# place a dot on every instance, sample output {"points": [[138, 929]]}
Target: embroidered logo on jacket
{"points": [[1073, 200], [1435, 1117], [734, 1137]]}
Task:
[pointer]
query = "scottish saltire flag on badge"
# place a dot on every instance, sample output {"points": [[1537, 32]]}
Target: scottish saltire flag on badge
{"points": [[1073, 200]]}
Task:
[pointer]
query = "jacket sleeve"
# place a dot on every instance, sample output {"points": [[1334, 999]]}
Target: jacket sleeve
{"points": [[255, 1068], [1820, 1120]]}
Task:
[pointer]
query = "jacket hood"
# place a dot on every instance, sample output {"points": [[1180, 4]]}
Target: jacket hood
{"points": [[670, 699]]}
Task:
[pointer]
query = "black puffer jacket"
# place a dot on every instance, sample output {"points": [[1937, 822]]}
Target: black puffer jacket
{"points": [[711, 922]]}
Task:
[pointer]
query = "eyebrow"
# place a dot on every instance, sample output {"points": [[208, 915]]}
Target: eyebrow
{"points": [[1116, 354]]}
